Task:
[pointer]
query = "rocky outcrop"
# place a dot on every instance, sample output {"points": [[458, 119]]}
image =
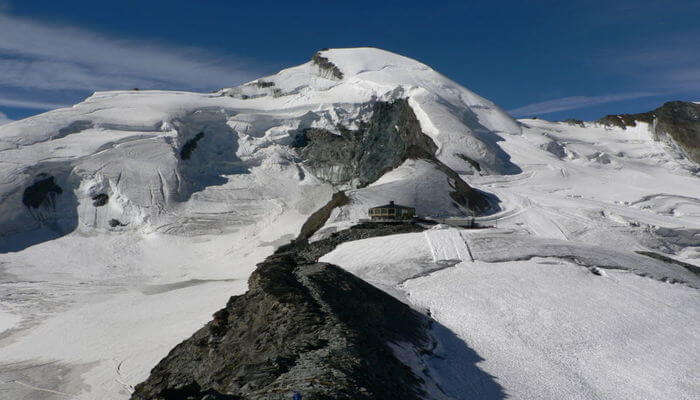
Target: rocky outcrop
{"points": [[326, 67], [100, 200], [555, 148], [391, 135], [680, 121], [306, 252], [465, 195], [574, 122], [473, 163], [625, 120], [302, 326], [676, 123], [318, 218], [359, 157]]}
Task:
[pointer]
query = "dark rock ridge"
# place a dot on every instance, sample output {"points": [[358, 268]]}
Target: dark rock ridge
{"points": [[575, 122], [473, 163], [625, 120], [379, 145], [264, 84], [302, 326], [676, 123], [306, 252], [359, 157], [328, 69], [319, 218]]}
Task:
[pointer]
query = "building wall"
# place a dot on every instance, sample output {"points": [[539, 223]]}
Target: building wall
{"points": [[391, 213]]}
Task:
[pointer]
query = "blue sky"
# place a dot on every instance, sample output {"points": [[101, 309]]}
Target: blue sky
{"points": [[554, 59]]}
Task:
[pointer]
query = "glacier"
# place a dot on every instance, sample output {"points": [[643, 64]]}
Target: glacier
{"points": [[116, 243]]}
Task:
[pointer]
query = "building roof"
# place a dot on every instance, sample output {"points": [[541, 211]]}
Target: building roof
{"points": [[392, 205]]}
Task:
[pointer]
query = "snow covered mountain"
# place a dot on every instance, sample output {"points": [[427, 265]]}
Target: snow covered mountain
{"points": [[157, 155], [675, 123], [127, 219]]}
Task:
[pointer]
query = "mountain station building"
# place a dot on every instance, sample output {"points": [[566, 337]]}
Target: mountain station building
{"points": [[392, 211]]}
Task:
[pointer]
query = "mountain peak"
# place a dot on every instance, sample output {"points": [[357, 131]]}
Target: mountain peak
{"points": [[357, 60], [454, 117]]}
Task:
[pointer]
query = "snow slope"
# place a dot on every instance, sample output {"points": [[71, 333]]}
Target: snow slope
{"points": [[544, 327], [417, 183], [88, 305]]}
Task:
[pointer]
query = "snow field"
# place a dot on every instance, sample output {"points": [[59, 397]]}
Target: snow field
{"points": [[8, 321], [111, 306], [554, 330], [447, 246], [542, 327]]}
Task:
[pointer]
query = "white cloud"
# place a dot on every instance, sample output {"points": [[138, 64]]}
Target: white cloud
{"points": [[669, 63], [574, 102], [667, 67], [3, 119], [51, 57], [34, 105], [687, 78]]}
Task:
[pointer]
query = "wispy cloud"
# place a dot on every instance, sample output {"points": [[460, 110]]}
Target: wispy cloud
{"points": [[574, 102], [675, 67], [667, 66], [34, 105], [42, 56], [3, 119]]}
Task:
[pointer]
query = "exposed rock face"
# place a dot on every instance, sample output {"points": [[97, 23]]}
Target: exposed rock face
{"points": [[676, 123], [100, 199], [575, 122], [360, 157], [356, 158], [473, 163], [625, 120], [681, 122], [302, 326], [327, 68], [555, 148], [318, 218], [306, 252], [113, 223]]}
